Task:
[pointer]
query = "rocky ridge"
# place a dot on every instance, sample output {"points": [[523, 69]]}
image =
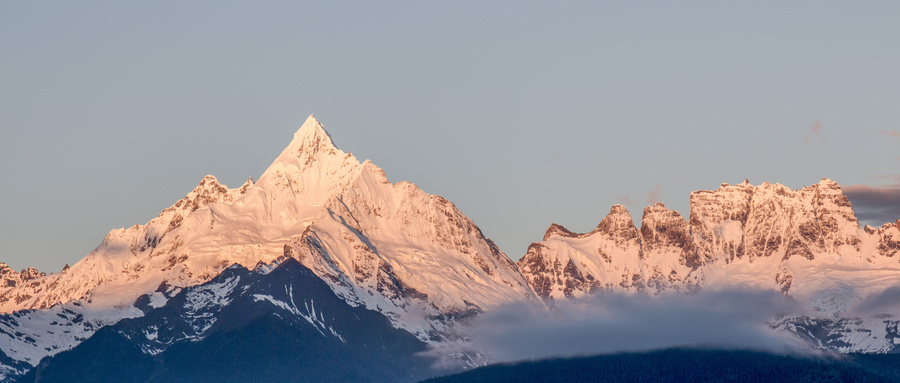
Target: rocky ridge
{"points": [[10, 278], [615, 256], [737, 224], [804, 243]]}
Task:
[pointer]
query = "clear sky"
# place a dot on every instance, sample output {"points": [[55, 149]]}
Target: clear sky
{"points": [[522, 113]]}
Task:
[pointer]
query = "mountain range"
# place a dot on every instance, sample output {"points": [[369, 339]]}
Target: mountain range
{"points": [[219, 267]]}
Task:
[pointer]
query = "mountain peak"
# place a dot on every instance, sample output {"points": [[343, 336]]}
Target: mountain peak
{"points": [[557, 229], [208, 179], [311, 142], [310, 147], [312, 132], [618, 223], [828, 182], [209, 185], [618, 209]]}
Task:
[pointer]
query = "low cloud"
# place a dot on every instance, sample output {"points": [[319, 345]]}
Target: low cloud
{"points": [[885, 301], [874, 205], [613, 323], [814, 133]]}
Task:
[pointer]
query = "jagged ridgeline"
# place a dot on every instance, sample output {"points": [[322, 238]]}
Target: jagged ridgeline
{"points": [[415, 261], [804, 243], [784, 237]]}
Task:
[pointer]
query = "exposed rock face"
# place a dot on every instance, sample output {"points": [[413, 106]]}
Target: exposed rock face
{"points": [[717, 219], [888, 238], [667, 249], [834, 214], [782, 223], [783, 279], [541, 272], [769, 220], [9, 278], [746, 221], [614, 256], [665, 231], [618, 228], [559, 230]]}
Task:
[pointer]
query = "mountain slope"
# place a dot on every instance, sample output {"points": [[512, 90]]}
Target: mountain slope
{"points": [[403, 251], [27, 336], [281, 324]]}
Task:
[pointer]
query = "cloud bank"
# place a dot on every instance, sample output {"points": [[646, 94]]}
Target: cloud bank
{"points": [[612, 323], [874, 206], [882, 302]]}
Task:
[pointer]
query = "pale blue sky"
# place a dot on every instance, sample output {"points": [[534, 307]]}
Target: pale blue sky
{"points": [[521, 113]]}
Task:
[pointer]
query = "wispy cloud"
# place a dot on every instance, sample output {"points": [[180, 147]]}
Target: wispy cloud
{"points": [[814, 133], [890, 133], [653, 195], [874, 205], [611, 323]]}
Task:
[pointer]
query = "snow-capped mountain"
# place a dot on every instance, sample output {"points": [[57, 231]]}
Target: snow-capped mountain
{"points": [[275, 323], [313, 197], [805, 243], [388, 247], [418, 261]]}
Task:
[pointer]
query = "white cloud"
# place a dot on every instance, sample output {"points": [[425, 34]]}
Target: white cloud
{"points": [[612, 323]]}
